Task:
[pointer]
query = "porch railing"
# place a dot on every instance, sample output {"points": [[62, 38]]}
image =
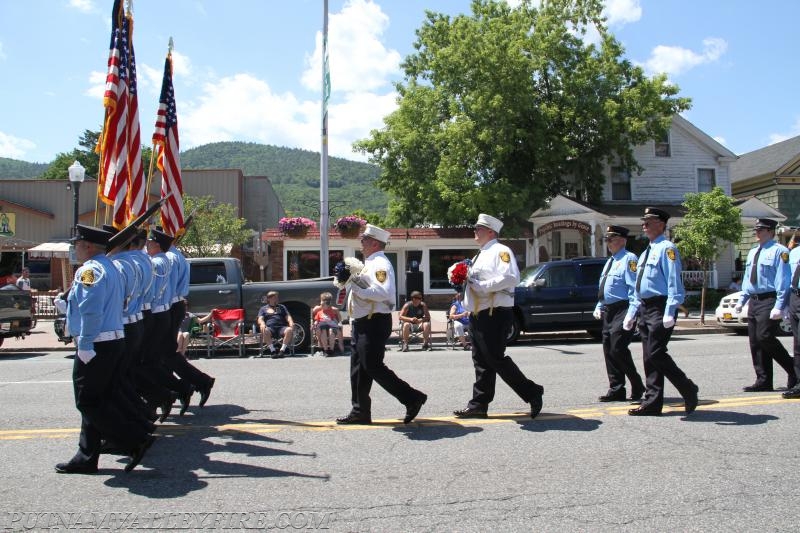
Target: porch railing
{"points": [[693, 279]]}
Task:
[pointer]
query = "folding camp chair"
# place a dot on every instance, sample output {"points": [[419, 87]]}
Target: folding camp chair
{"points": [[228, 331]]}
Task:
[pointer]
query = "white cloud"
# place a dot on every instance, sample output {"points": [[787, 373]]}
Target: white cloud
{"points": [[87, 6], [778, 137], [14, 147], [2, 53], [674, 60], [97, 85], [621, 12]]}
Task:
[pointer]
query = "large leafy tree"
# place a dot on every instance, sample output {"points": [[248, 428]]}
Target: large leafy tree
{"points": [[711, 222], [213, 227], [506, 107]]}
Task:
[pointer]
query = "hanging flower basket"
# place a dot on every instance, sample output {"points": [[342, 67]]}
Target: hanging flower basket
{"points": [[350, 226], [296, 227]]}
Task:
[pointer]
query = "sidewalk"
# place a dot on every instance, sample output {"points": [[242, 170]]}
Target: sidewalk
{"points": [[43, 338]]}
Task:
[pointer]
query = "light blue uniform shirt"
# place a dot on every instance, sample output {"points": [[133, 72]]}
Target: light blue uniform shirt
{"points": [[794, 259], [140, 270], [162, 284], [181, 272], [661, 274], [148, 277], [620, 281], [127, 272], [773, 273], [95, 302]]}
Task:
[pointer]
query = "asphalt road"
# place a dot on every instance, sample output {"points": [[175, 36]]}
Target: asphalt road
{"points": [[263, 453]]}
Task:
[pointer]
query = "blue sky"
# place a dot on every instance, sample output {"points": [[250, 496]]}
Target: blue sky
{"points": [[248, 70]]}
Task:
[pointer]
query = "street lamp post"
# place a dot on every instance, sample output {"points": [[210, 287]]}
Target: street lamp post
{"points": [[76, 176]]}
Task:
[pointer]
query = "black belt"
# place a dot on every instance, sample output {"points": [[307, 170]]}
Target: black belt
{"points": [[617, 304], [764, 295], [796, 292], [654, 300]]}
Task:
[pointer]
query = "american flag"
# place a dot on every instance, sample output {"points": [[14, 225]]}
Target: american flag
{"points": [[120, 150], [167, 146]]}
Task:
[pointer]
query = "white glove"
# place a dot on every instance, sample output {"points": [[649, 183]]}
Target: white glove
{"points": [[775, 314], [737, 309], [60, 305], [628, 323], [787, 315], [598, 315], [86, 355], [669, 321]]}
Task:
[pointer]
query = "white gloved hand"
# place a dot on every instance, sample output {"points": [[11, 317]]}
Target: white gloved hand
{"points": [[598, 315], [60, 305], [86, 355], [775, 314], [737, 309], [669, 321], [786, 314], [628, 323]]}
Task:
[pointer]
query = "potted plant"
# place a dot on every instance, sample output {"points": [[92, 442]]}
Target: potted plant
{"points": [[296, 227], [349, 226]]}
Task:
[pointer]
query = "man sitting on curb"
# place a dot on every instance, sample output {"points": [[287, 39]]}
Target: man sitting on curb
{"points": [[415, 316]]}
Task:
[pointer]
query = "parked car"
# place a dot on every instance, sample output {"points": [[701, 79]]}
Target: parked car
{"points": [[558, 295], [728, 317], [16, 312]]}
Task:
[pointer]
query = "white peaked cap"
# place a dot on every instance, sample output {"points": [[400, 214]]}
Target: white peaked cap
{"points": [[376, 233], [489, 222]]}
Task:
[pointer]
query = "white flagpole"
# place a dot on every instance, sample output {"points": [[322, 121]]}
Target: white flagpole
{"points": [[324, 214]]}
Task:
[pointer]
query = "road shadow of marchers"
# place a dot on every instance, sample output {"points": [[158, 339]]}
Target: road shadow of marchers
{"points": [[558, 422], [728, 418], [430, 430], [180, 451]]}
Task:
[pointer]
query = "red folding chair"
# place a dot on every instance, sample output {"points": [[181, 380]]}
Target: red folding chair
{"points": [[228, 331]]}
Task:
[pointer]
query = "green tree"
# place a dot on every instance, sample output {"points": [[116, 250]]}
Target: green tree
{"points": [[711, 222], [212, 225], [503, 108]]}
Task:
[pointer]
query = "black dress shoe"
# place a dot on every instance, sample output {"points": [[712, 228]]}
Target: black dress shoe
{"points": [[185, 398], [618, 396], [138, 453], [205, 392], [412, 409], [637, 394], [470, 412], [354, 418], [536, 402], [690, 403], [73, 467], [792, 393], [755, 387], [643, 411], [166, 407]]}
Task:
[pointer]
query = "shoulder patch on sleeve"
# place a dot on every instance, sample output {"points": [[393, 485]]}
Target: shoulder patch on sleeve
{"points": [[632, 266], [505, 257], [671, 254], [87, 277], [381, 275], [785, 257]]}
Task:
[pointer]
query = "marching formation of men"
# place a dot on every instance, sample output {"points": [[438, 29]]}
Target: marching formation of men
{"points": [[124, 309]]}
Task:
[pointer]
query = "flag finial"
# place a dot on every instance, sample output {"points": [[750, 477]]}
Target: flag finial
{"points": [[170, 46]]}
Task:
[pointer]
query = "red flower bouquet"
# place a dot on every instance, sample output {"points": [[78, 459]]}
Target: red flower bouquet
{"points": [[457, 274]]}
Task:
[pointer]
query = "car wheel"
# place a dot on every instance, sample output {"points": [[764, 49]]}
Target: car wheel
{"points": [[596, 334], [785, 327], [513, 332], [1, 340], [740, 331]]}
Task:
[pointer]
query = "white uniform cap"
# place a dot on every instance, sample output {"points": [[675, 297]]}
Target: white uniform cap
{"points": [[376, 233], [489, 222]]}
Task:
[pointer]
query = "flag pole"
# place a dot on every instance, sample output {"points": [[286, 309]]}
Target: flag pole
{"points": [[324, 214]]}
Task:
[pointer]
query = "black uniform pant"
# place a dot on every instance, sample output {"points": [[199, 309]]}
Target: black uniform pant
{"points": [[177, 362], [617, 354], [369, 336], [658, 364], [93, 384], [794, 311], [155, 375], [125, 393], [488, 330], [764, 344]]}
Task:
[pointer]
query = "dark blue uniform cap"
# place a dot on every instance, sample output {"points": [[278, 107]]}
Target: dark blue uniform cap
{"points": [[164, 240], [766, 223], [653, 212], [91, 234], [613, 231], [111, 229]]}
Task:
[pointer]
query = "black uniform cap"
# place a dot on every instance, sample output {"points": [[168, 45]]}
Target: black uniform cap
{"points": [[163, 239], [766, 223], [653, 212], [91, 234], [613, 231]]}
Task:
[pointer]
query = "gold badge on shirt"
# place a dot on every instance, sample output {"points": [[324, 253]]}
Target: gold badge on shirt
{"points": [[785, 257], [671, 254], [380, 275], [87, 277], [632, 265], [505, 257]]}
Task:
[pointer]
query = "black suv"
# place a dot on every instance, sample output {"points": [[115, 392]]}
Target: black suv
{"points": [[558, 295]]}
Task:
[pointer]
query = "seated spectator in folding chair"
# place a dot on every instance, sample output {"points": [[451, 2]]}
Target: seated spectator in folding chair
{"points": [[326, 319], [415, 317], [191, 326], [460, 318], [275, 322]]}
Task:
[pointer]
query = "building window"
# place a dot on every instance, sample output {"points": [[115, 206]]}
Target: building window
{"points": [[663, 147], [441, 260], [620, 184], [304, 264], [706, 179]]}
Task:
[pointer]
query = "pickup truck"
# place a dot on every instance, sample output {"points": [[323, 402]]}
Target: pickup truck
{"points": [[218, 282], [16, 312]]}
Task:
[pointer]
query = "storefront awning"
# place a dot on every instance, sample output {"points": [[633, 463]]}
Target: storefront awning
{"points": [[50, 249]]}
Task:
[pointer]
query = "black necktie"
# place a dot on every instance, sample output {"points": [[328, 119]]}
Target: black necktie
{"points": [[641, 269], [602, 292], [796, 276], [754, 269]]}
